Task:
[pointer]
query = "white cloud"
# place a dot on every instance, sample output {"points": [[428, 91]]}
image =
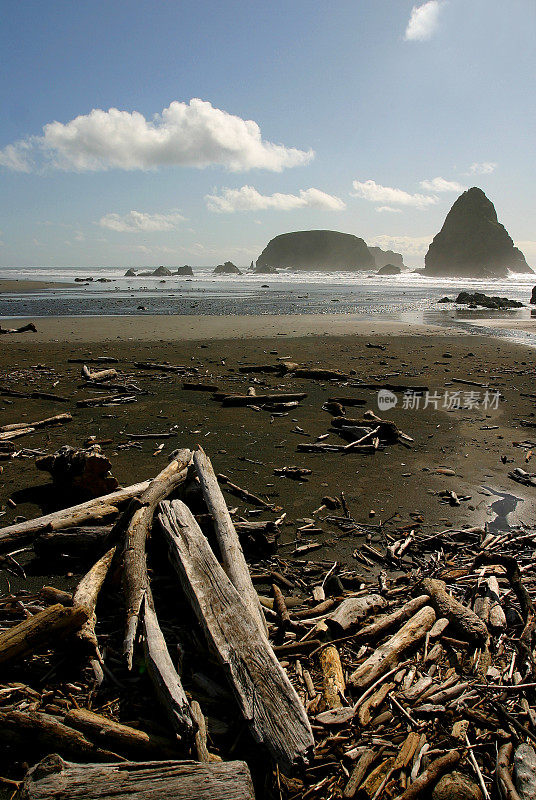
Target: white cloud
{"points": [[136, 221], [442, 185], [388, 209], [247, 198], [482, 168], [423, 21], [193, 134], [386, 195]]}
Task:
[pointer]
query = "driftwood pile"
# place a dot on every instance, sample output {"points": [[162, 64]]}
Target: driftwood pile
{"points": [[174, 666]]}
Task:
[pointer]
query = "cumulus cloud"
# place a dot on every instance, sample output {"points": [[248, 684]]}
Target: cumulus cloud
{"points": [[247, 198], [482, 168], [136, 221], [388, 196], [423, 21], [442, 185], [194, 134]]}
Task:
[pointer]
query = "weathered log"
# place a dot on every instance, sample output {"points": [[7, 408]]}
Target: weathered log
{"points": [[231, 551], [387, 654], [261, 687], [259, 399], [352, 610], [163, 674], [85, 472], [23, 329], [16, 434], [76, 542], [103, 400], [40, 630], [86, 594], [42, 733], [120, 738], [58, 419], [431, 774], [366, 760], [504, 777], [69, 517], [334, 685], [100, 375], [163, 367], [389, 621], [180, 780], [321, 447], [243, 493], [461, 617], [135, 577]]}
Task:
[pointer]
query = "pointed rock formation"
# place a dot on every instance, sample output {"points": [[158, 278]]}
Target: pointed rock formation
{"points": [[472, 242], [316, 250], [385, 258]]}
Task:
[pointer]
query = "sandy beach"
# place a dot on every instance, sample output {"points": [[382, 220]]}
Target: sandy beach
{"points": [[24, 286], [247, 444]]}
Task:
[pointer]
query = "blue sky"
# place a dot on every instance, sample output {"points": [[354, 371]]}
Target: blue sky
{"points": [[237, 121]]}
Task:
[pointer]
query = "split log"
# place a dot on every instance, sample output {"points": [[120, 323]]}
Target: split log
{"points": [[69, 517], [85, 472], [387, 654], [261, 687], [86, 594], [135, 577], [461, 617], [118, 737], [40, 630], [163, 674], [259, 399], [389, 621], [352, 610], [231, 551], [29, 327], [41, 732], [16, 434], [58, 419], [333, 676], [180, 780]]}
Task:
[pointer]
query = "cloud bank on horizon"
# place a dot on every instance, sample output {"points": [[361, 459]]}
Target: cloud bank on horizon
{"points": [[424, 21], [247, 198], [194, 134]]}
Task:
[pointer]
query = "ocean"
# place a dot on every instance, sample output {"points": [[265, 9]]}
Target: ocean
{"points": [[408, 297]]}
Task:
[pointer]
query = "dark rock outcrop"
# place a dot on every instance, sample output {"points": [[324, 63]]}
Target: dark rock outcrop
{"points": [[130, 273], [385, 257], [474, 299], [228, 268], [265, 270], [162, 271], [389, 269], [472, 242], [533, 297], [317, 250], [186, 270]]}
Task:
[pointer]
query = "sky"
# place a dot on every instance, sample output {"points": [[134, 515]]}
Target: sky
{"points": [[178, 132]]}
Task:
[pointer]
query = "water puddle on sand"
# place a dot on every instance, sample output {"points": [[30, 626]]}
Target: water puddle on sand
{"points": [[502, 509]]}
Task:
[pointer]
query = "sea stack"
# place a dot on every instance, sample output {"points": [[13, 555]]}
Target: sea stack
{"points": [[473, 243], [316, 250]]}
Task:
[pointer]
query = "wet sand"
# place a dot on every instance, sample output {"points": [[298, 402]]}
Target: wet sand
{"points": [[247, 445], [25, 286]]}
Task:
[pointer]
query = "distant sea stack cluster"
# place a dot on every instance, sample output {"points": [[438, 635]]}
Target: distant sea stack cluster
{"points": [[473, 243]]}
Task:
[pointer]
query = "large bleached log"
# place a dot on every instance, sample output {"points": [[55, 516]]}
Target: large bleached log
{"points": [[58, 419], [135, 575], [232, 554], [180, 780], [100, 375], [264, 694], [352, 610], [461, 617], [40, 630], [86, 594], [69, 517], [120, 738], [163, 674], [387, 654]]}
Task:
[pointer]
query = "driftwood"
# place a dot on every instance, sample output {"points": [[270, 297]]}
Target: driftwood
{"points": [[352, 610], [180, 780], [101, 375], [260, 399], [163, 367], [43, 733], [135, 577], [82, 541], [163, 674], [40, 630], [385, 623], [333, 676], [231, 551], [86, 594], [242, 493], [58, 419], [98, 508], [84, 472], [261, 687], [29, 327], [461, 617], [431, 774], [103, 400], [120, 738], [387, 654]]}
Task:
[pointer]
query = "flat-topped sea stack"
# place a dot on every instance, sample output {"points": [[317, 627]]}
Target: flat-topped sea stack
{"points": [[473, 243], [317, 250]]}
